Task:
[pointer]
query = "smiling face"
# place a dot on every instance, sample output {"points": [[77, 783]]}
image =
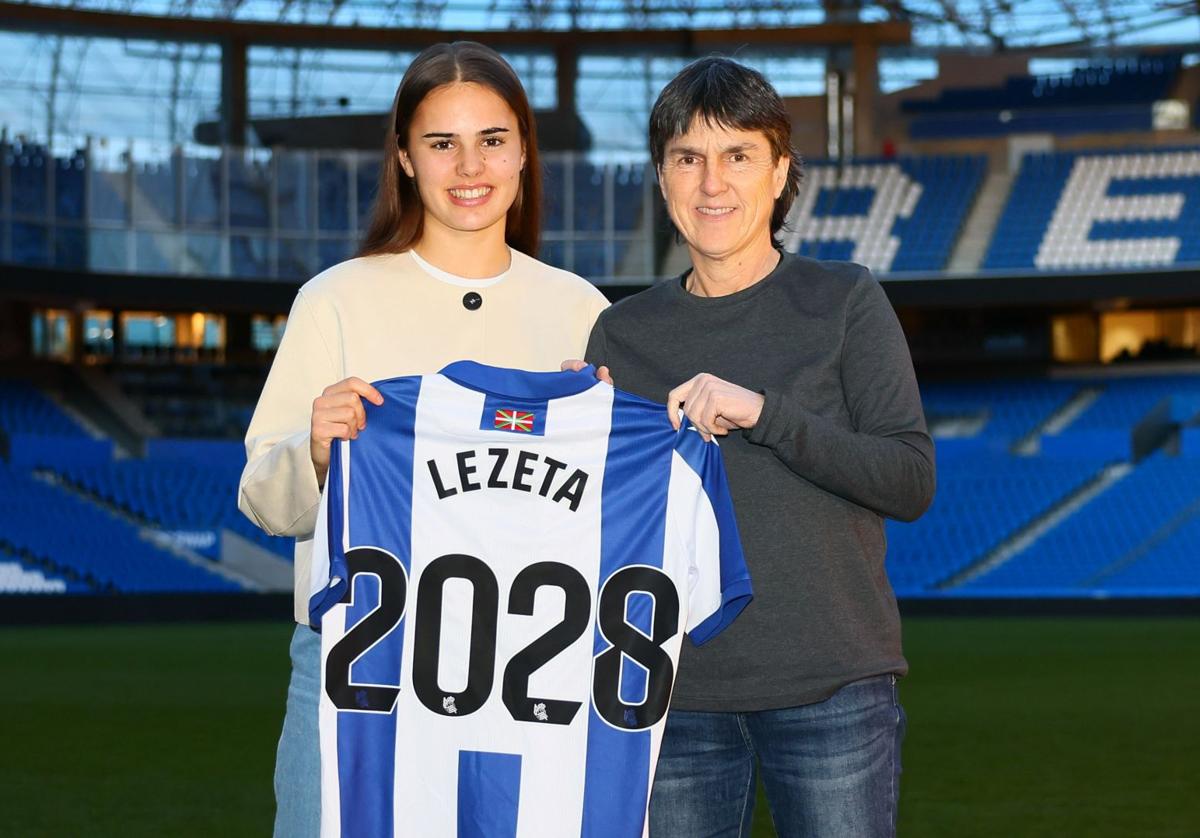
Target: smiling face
{"points": [[465, 152], [720, 185]]}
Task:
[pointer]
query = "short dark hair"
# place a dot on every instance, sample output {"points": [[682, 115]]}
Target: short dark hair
{"points": [[722, 92], [397, 217]]}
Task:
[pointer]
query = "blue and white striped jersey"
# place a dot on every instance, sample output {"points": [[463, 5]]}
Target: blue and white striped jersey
{"points": [[505, 564]]}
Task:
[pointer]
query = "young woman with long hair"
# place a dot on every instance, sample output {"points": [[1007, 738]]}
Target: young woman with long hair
{"points": [[446, 272]]}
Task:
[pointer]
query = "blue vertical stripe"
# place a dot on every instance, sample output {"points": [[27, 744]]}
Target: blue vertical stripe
{"points": [[325, 599], [633, 502], [380, 515], [489, 788]]}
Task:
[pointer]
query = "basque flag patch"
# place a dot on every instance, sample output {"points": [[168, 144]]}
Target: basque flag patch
{"points": [[514, 416], [514, 420]]}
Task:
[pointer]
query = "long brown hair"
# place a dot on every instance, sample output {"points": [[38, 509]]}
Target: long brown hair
{"points": [[397, 218]]}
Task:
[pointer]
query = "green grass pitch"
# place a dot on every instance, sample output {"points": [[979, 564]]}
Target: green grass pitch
{"points": [[1017, 727]]}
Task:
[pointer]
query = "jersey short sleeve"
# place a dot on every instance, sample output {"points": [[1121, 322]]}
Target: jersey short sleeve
{"points": [[704, 520]]}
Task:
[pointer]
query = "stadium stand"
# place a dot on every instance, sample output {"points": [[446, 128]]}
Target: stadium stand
{"points": [[1066, 211], [1010, 409], [88, 544], [26, 410], [891, 216], [185, 486], [1125, 402], [1112, 96], [36, 433], [1127, 540], [1103, 535], [1101, 209], [980, 503], [1168, 564], [176, 497], [1132, 538], [72, 544], [1128, 417], [264, 213]]}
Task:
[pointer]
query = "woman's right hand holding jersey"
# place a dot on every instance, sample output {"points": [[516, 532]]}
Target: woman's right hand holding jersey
{"points": [[338, 413]]}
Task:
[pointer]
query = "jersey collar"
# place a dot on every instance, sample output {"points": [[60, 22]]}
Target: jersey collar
{"points": [[520, 384]]}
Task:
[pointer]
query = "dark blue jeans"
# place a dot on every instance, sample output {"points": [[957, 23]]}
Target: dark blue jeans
{"points": [[831, 769]]}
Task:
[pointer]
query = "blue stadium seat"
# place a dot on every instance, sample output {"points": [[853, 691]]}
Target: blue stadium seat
{"points": [[891, 215], [1131, 538], [174, 496], [25, 410], [1168, 566], [1112, 96], [1127, 401], [1011, 408], [1121, 81], [87, 544], [980, 503], [1101, 209], [1080, 552]]}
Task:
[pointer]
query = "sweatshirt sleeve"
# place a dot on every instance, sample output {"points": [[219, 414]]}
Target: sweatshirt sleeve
{"points": [[278, 490], [885, 461]]}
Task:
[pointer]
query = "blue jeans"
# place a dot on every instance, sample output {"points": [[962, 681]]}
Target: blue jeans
{"points": [[831, 769], [298, 760]]}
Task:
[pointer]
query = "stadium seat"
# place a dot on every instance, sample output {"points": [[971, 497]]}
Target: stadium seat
{"points": [[987, 495], [891, 216], [1121, 525], [1102, 209], [1112, 96], [980, 502], [90, 545], [184, 486]]}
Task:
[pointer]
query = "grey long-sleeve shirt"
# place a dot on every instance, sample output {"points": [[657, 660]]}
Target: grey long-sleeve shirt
{"points": [[841, 443]]}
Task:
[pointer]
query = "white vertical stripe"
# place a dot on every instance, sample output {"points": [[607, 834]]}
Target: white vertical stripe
{"points": [[345, 444], [333, 628], [318, 569]]}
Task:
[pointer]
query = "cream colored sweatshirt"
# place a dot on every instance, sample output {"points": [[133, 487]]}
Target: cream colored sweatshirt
{"points": [[382, 316]]}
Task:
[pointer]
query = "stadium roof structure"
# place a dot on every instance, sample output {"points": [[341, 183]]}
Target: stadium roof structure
{"points": [[937, 24], [156, 70]]}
